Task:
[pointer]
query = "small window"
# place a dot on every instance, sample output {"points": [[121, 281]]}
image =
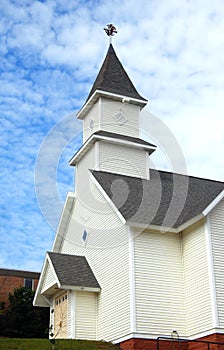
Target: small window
{"points": [[84, 236], [28, 283]]}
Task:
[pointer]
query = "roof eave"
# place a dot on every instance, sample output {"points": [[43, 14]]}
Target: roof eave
{"points": [[165, 229], [81, 288], [207, 210], [65, 216], [99, 93], [142, 226], [73, 161]]}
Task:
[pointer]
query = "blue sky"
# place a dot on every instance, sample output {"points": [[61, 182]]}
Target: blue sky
{"points": [[51, 52]]}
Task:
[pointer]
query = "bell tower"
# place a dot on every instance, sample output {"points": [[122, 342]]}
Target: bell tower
{"points": [[111, 122]]}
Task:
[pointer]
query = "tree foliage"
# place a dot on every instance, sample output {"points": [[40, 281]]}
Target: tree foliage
{"points": [[22, 319]]}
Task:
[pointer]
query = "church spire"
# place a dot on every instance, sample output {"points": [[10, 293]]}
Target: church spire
{"points": [[113, 78]]}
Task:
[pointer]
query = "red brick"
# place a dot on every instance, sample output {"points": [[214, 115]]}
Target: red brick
{"points": [[7, 286], [150, 344]]}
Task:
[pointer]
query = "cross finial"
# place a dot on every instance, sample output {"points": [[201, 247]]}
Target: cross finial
{"points": [[110, 30]]}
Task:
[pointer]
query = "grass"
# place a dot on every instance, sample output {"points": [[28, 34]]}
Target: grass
{"points": [[60, 344]]}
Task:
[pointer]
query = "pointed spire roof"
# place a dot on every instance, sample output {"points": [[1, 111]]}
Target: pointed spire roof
{"points": [[113, 78]]}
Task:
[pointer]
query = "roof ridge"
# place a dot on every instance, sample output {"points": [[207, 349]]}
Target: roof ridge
{"points": [[186, 175]]}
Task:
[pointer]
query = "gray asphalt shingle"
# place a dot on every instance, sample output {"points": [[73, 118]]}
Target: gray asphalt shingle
{"points": [[73, 270], [113, 78], [167, 199]]}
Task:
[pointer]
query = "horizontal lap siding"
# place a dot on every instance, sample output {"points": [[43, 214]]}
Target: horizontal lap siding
{"points": [[111, 270], [123, 160], [93, 117], [217, 234], [159, 284], [49, 278], [197, 286], [85, 315], [107, 253], [131, 112]]}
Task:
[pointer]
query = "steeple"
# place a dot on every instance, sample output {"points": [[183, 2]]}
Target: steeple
{"points": [[113, 78], [113, 104]]}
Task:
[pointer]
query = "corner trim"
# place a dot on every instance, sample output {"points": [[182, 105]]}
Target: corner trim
{"points": [[132, 280], [215, 319]]}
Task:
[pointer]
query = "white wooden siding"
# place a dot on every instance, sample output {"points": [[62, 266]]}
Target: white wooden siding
{"points": [[83, 175], [122, 160], [217, 239], [93, 213], [86, 315], [93, 115], [159, 284], [197, 287], [49, 278], [107, 253], [109, 108]]}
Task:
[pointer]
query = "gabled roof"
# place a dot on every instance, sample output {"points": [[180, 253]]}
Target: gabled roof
{"points": [[73, 270], [113, 78], [166, 200], [111, 137]]}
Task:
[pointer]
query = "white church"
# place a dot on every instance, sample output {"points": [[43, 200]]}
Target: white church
{"points": [[139, 253]]}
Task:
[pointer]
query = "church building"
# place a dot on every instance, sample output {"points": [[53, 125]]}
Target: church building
{"points": [[139, 253]]}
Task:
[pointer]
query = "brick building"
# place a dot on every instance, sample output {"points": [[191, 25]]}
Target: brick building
{"points": [[11, 279]]}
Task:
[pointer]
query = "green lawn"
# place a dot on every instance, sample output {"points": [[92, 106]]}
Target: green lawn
{"points": [[60, 344]]}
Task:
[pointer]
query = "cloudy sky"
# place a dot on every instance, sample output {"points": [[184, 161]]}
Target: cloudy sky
{"points": [[51, 52]]}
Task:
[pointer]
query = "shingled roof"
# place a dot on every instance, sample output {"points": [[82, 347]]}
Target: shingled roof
{"points": [[113, 78], [110, 135], [73, 270], [123, 137], [167, 199]]}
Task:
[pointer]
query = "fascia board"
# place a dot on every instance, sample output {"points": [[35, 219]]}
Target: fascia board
{"points": [[211, 206], [182, 227], [125, 143], [109, 201], [79, 288], [55, 274], [48, 260], [82, 150], [190, 222], [162, 229], [40, 282], [66, 213], [95, 138], [204, 213], [98, 93]]}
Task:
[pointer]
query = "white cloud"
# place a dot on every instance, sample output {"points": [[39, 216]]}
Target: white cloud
{"points": [[51, 52]]}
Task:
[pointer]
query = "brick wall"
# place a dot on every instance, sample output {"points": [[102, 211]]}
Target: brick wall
{"points": [[147, 344], [8, 283]]}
